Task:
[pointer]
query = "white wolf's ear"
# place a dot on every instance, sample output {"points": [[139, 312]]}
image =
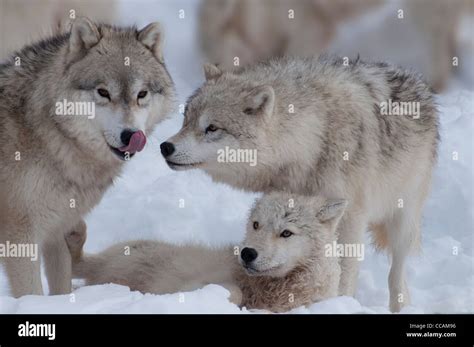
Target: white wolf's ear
{"points": [[211, 72], [331, 211], [84, 35], [152, 37], [260, 101]]}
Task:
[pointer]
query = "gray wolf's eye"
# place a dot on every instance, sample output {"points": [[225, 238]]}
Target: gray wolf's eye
{"points": [[103, 93], [248, 111], [286, 233], [142, 94], [255, 225], [211, 128]]}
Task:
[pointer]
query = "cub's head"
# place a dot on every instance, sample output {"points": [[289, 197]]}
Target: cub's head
{"points": [[285, 231], [225, 126], [115, 87]]}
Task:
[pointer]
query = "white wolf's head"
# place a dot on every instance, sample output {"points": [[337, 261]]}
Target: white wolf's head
{"points": [[119, 74], [284, 231], [226, 128]]}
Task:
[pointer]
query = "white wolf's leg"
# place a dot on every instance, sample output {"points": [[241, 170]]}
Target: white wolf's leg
{"points": [[87, 266], [23, 273], [351, 230], [403, 232], [75, 240], [58, 264]]}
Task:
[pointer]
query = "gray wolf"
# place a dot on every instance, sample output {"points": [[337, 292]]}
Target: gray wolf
{"points": [[318, 128], [281, 264], [247, 31], [56, 166], [254, 30]]}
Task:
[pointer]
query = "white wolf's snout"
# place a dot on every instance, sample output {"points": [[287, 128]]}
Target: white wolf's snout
{"points": [[183, 153]]}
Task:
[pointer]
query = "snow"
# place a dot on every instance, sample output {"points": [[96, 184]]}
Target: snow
{"points": [[146, 203]]}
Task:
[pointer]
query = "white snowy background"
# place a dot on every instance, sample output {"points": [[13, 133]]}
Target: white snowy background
{"points": [[145, 204]]}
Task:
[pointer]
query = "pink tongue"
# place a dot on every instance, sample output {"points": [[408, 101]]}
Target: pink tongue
{"points": [[136, 144]]}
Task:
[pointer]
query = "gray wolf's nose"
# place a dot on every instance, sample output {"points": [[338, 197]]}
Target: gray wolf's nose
{"points": [[125, 136]]}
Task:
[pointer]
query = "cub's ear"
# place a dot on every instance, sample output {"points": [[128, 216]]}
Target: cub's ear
{"points": [[332, 211], [84, 35], [152, 37], [211, 72], [260, 101]]}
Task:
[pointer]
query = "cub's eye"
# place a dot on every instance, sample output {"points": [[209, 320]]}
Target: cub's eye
{"points": [[211, 128], [103, 93], [142, 94], [255, 225], [286, 233]]}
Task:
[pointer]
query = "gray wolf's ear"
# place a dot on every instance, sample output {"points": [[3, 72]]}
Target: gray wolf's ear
{"points": [[211, 72], [260, 101], [332, 210], [62, 25], [84, 35], [152, 37]]}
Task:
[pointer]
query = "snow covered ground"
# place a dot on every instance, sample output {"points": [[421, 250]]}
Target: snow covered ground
{"points": [[145, 204]]}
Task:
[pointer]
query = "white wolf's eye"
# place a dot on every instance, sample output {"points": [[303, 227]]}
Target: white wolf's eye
{"points": [[211, 128], [103, 93], [255, 225], [286, 233], [142, 94]]}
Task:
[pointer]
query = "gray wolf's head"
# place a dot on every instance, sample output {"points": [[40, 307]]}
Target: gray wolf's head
{"points": [[285, 231], [116, 86], [225, 126]]}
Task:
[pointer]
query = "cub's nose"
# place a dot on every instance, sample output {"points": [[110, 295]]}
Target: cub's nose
{"points": [[125, 136], [248, 254], [167, 148]]}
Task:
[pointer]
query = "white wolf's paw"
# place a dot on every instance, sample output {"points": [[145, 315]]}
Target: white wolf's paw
{"points": [[75, 239]]}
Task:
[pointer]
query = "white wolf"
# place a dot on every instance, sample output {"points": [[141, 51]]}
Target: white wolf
{"points": [[317, 128], [54, 166], [282, 264]]}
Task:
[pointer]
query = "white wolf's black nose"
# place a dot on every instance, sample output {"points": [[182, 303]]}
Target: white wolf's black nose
{"points": [[248, 254], [125, 136], [167, 148]]}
